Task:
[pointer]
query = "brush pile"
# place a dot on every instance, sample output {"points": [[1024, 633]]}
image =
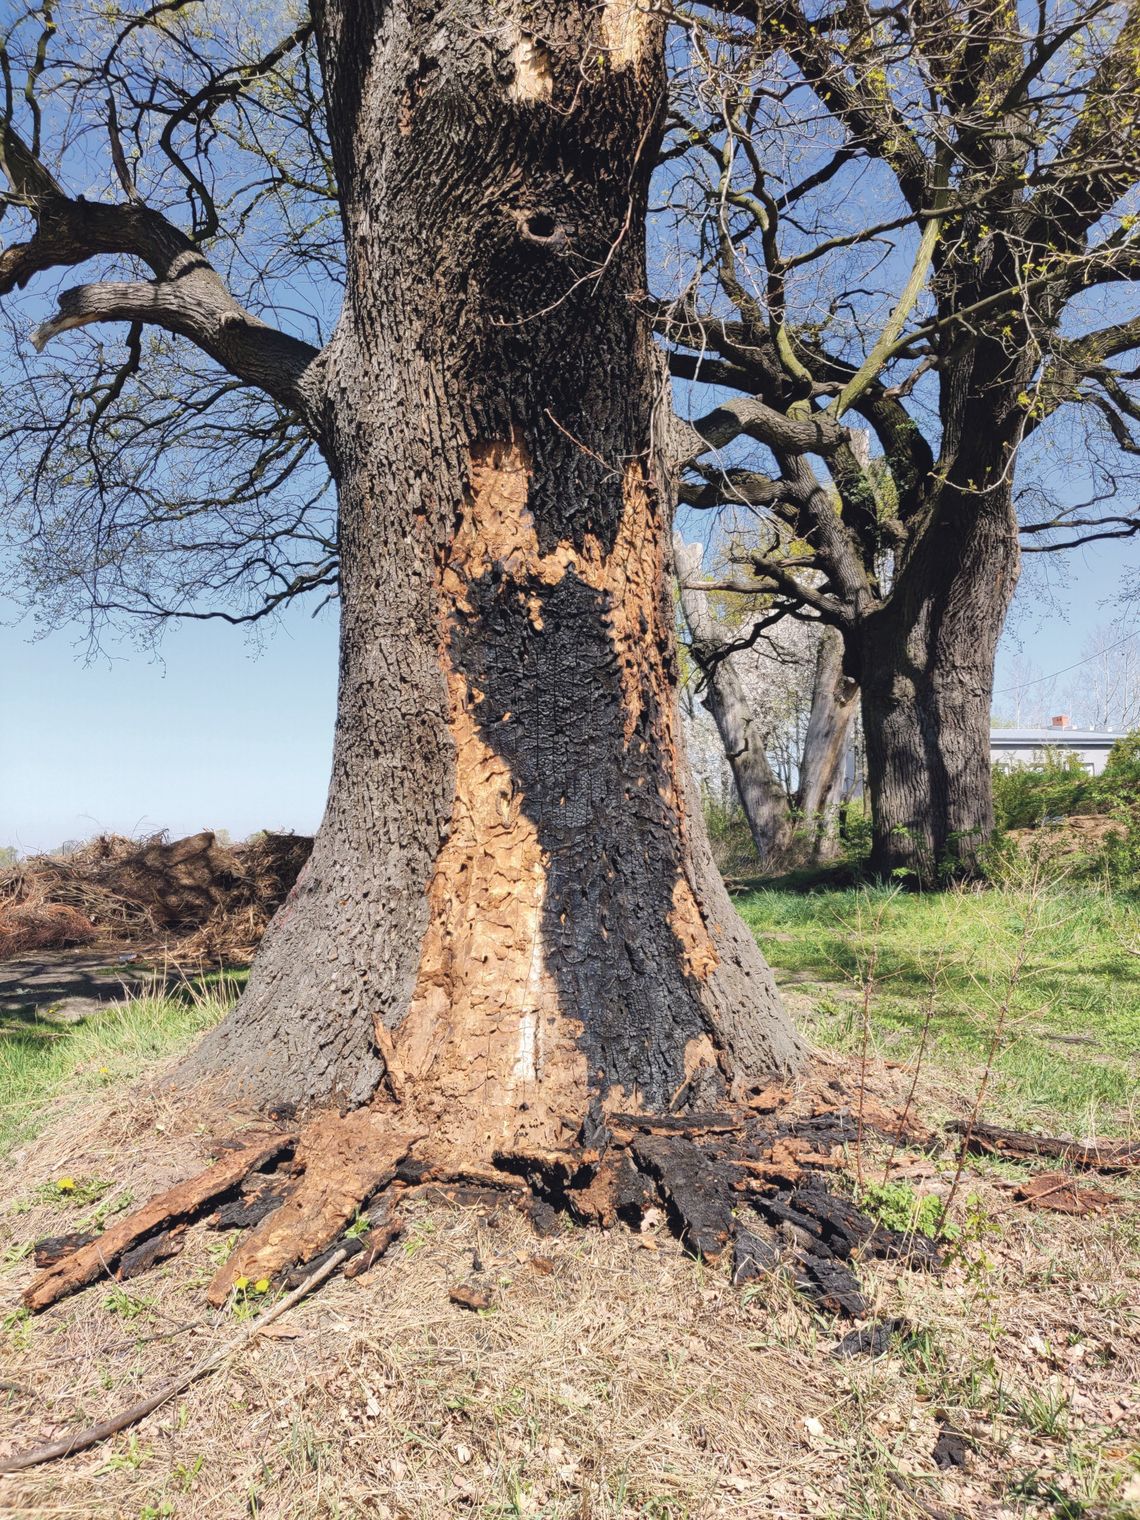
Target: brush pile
{"points": [[212, 900]]}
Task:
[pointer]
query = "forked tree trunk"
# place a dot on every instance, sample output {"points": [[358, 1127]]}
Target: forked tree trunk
{"points": [[726, 698], [834, 704], [510, 914], [927, 681]]}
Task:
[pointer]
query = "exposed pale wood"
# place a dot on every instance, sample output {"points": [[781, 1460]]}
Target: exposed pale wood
{"points": [[177, 1203], [343, 1161]]}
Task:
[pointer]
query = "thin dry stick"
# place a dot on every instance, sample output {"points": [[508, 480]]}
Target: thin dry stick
{"points": [[869, 984], [1024, 943], [84, 1439], [927, 1020]]}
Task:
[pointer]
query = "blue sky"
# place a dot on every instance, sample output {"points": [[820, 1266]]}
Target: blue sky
{"points": [[222, 733], [215, 734]]}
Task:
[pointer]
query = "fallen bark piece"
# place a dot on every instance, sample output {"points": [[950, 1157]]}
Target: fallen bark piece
{"points": [[1059, 1191], [544, 1217], [952, 1448], [342, 1161], [831, 1285], [158, 1248], [374, 1244], [1096, 1155], [469, 1296], [752, 1257], [699, 1191], [101, 1255], [869, 1340], [55, 1247]]}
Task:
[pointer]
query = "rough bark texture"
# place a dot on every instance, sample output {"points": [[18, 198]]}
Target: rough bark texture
{"points": [[762, 797], [834, 703], [510, 914], [926, 670]]}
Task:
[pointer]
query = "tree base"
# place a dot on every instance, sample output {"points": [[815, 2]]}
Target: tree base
{"points": [[751, 1181]]}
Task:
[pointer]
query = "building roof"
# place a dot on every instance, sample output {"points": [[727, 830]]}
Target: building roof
{"points": [[1063, 738]]}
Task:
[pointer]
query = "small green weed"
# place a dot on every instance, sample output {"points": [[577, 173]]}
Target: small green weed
{"points": [[128, 1305], [129, 1460], [897, 1206]]}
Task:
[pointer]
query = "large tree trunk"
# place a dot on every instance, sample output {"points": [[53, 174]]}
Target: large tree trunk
{"points": [[764, 800], [926, 669], [834, 703], [510, 915]]}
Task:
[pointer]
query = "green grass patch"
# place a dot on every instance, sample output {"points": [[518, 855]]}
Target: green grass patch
{"points": [[39, 1063], [1068, 1053]]}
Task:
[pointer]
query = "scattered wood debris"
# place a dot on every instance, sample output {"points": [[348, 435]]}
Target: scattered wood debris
{"points": [[180, 1202], [869, 1340], [1018, 1145], [1059, 1191], [470, 1296]]}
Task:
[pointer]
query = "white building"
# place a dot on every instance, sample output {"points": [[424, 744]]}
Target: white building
{"points": [[1027, 746]]}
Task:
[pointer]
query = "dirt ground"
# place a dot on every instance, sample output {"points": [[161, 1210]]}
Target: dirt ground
{"points": [[32, 986], [612, 1376]]}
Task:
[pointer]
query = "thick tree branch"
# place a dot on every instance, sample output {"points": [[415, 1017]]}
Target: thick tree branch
{"points": [[187, 296], [748, 416]]}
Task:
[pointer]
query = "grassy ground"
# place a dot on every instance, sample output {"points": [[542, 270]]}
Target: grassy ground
{"points": [[614, 1378], [1067, 1053], [40, 1059], [1045, 973]]}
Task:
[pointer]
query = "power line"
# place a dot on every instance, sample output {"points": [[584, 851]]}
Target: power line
{"points": [[1037, 680]]}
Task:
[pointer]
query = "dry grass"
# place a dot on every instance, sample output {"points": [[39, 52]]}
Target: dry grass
{"points": [[629, 1381]]}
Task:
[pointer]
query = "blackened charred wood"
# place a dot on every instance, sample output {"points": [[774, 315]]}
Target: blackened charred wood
{"points": [[150, 1252], [679, 1124], [869, 1340], [295, 1276], [706, 1089], [831, 1285], [544, 1217], [1097, 1155], [633, 1192], [752, 1257], [244, 1213], [55, 1247], [698, 1191]]}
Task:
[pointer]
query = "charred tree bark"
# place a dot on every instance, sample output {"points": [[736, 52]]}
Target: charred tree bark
{"points": [[764, 800], [834, 703], [510, 913]]}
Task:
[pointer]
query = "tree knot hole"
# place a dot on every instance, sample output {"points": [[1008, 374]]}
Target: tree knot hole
{"points": [[542, 228]]}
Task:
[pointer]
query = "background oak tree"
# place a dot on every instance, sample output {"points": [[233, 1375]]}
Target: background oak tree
{"points": [[920, 220]]}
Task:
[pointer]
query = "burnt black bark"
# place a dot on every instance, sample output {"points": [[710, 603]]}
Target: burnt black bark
{"points": [[506, 635]]}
